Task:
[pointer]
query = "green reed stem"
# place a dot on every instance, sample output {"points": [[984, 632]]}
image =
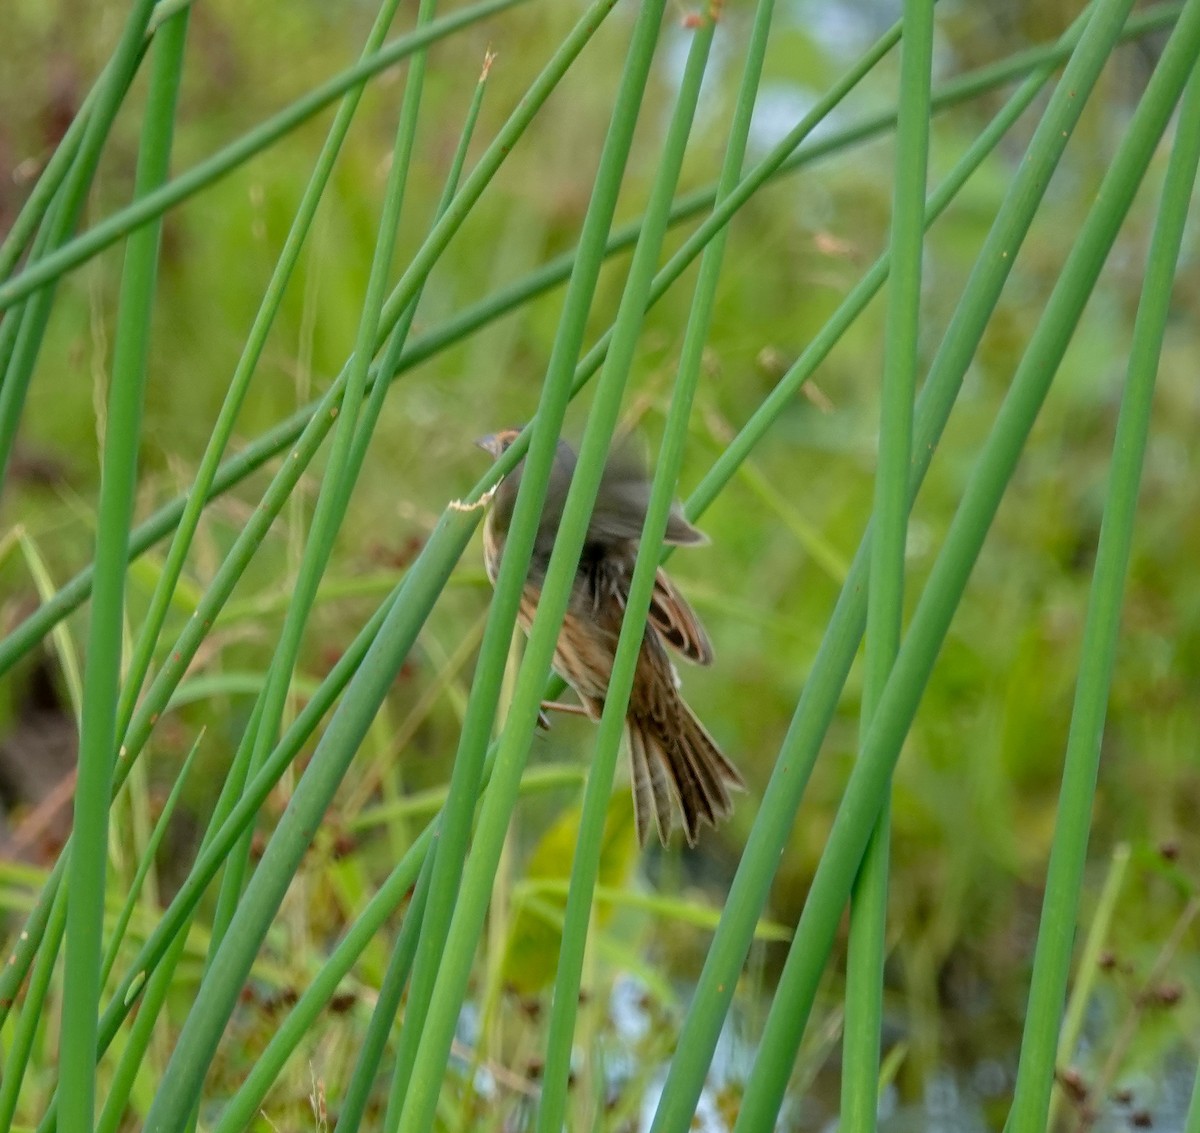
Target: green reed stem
{"points": [[60, 220], [885, 603], [1064, 878], [384, 1013], [151, 1000], [345, 731], [87, 872], [255, 455], [37, 205], [146, 863], [150, 1004], [255, 530], [387, 1008], [341, 473], [781, 799], [33, 1014], [1088, 968], [589, 845], [405, 615], [432, 1017], [202, 487], [237, 153], [985, 489], [270, 444], [235, 810]]}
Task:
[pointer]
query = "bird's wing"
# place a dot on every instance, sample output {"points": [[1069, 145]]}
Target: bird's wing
{"points": [[677, 623]]}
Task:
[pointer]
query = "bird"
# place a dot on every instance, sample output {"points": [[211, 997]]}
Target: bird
{"points": [[678, 771]]}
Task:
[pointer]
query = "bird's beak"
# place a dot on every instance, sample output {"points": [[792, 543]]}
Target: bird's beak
{"points": [[492, 443]]}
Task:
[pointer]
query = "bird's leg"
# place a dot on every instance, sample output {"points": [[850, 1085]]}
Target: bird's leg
{"points": [[558, 706]]}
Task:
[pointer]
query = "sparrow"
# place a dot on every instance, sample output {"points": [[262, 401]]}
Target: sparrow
{"points": [[678, 770]]}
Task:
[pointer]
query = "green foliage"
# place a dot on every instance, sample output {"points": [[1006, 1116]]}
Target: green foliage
{"points": [[430, 914]]}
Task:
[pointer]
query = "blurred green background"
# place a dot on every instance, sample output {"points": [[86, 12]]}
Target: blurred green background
{"points": [[976, 788]]}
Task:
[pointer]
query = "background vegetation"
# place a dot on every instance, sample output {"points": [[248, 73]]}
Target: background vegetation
{"points": [[976, 790]]}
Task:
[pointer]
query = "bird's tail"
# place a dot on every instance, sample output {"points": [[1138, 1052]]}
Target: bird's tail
{"points": [[676, 764]]}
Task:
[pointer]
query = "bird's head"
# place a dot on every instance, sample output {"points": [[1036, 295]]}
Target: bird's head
{"points": [[497, 443], [504, 497]]}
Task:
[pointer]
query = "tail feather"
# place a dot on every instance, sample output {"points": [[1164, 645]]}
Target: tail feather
{"points": [[676, 763], [653, 792]]}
